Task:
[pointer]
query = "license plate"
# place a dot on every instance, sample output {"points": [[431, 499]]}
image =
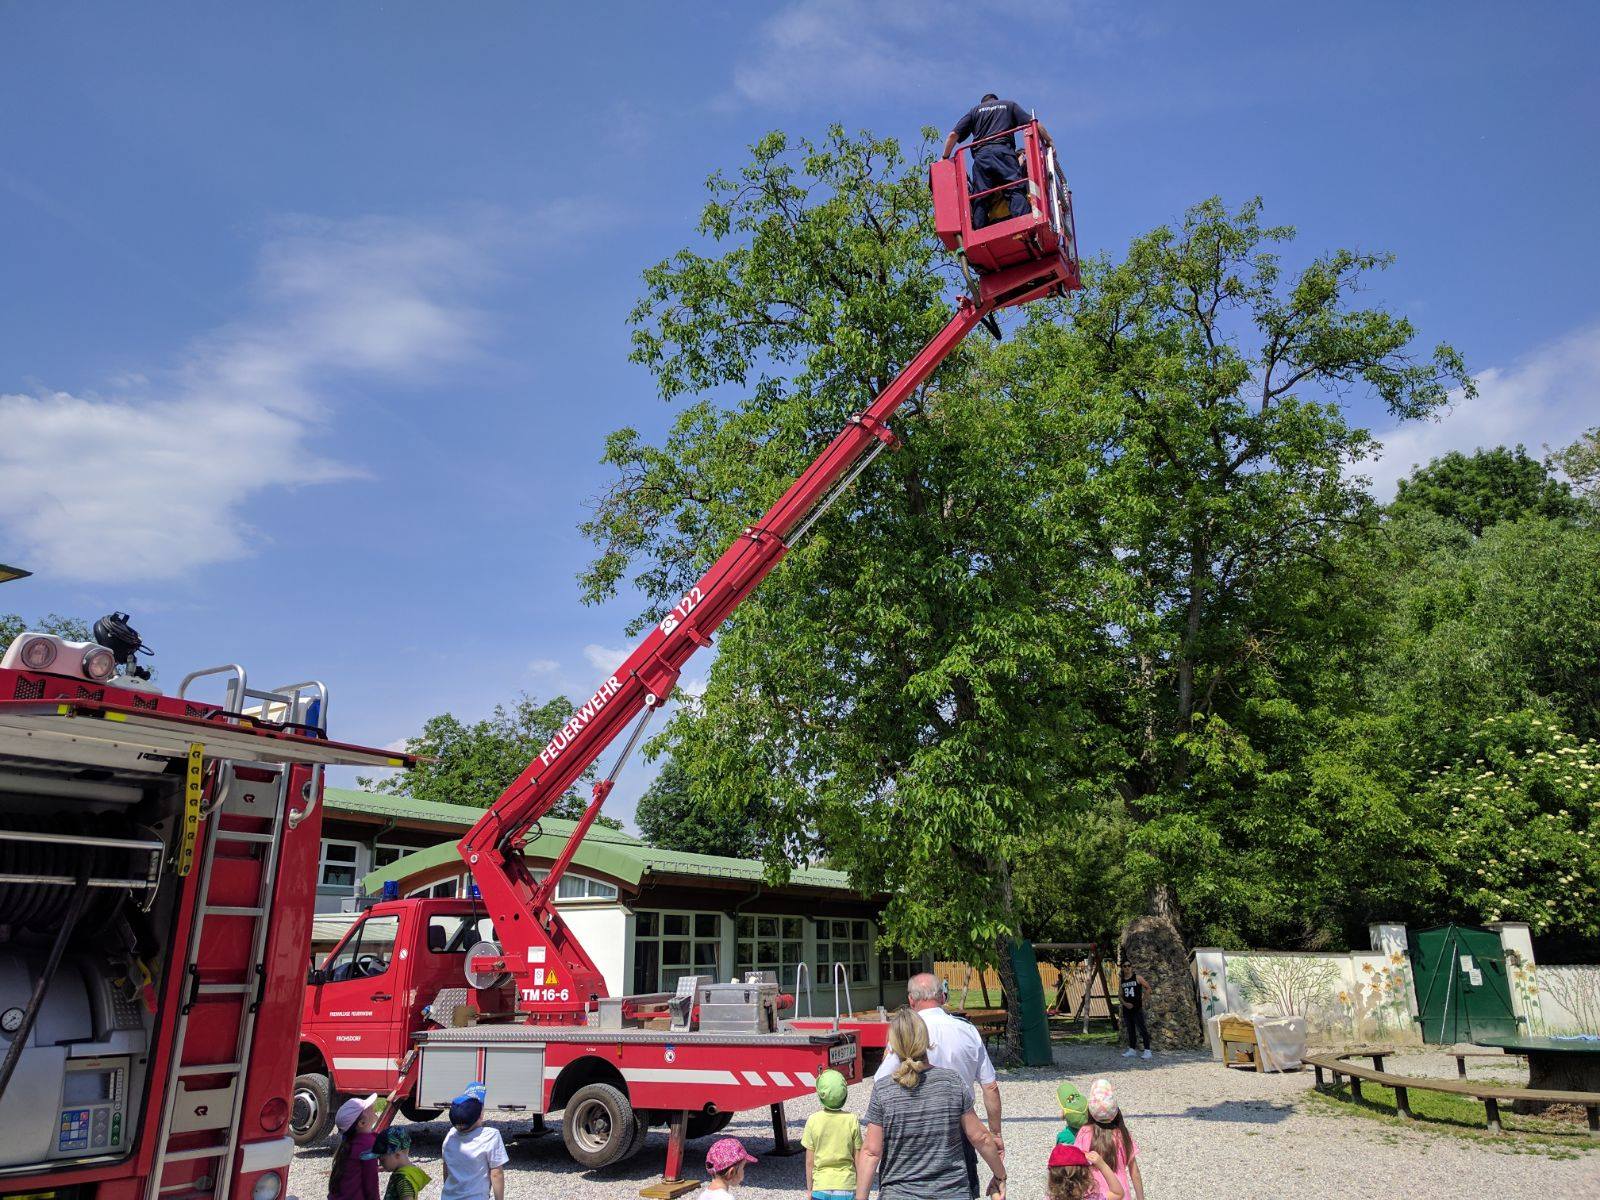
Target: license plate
{"points": [[840, 1055]]}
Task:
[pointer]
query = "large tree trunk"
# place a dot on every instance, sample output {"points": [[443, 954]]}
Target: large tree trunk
{"points": [[1008, 988], [1154, 946]]}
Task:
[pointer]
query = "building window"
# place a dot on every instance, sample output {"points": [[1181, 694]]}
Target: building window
{"points": [[340, 865], [772, 944], [443, 890], [843, 941], [580, 887], [384, 853], [669, 945], [897, 965]]}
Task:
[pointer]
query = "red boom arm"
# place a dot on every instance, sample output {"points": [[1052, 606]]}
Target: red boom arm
{"points": [[556, 979]]}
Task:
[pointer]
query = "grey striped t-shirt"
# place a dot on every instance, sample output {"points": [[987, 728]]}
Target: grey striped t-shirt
{"points": [[922, 1157]]}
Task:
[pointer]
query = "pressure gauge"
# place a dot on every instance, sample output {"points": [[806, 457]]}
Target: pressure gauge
{"points": [[11, 1020]]}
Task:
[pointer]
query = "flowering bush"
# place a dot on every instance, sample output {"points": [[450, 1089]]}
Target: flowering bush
{"points": [[1519, 819]]}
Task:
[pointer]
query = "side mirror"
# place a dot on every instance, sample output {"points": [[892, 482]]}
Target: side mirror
{"points": [[316, 977]]}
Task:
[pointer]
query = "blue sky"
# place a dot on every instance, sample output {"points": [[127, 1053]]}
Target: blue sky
{"points": [[313, 323]]}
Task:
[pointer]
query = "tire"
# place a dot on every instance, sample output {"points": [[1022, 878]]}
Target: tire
{"points": [[641, 1130], [871, 1060], [421, 1116], [598, 1126], [700, 1125], [310, 1109]]}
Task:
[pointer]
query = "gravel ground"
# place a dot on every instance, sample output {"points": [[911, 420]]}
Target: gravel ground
{"points": [[1202, 1131]]}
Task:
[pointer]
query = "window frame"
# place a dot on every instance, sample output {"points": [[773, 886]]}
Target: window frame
{"points": [[786, 937], [354, 864], [354, 940], [692, 939], [825, 937]]}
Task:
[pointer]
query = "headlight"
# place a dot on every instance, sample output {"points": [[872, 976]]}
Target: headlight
{"points": [[99, 664], [267, 1187], [39, 653]]}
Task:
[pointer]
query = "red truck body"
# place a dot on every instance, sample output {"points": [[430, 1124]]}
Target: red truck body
{"points": [[148, 1004]]}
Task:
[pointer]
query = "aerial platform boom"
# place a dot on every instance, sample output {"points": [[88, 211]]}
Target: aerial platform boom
{"points": [[1021, 259]]}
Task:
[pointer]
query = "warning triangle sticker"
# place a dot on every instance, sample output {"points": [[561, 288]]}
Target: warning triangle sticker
{"points": [[550, 979]]}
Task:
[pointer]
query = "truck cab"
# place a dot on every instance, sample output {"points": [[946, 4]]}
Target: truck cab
{"points": [[381, 983]]}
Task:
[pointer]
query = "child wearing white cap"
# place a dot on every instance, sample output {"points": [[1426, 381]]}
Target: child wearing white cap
{"points": [[353, 1177]]}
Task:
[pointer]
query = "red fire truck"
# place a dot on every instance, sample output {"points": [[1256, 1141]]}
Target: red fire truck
{"points": [[535, 1022], [157, 863]]}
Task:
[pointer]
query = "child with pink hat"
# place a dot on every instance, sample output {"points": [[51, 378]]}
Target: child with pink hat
{"points": [[726, 1161], [1106, 1133]]}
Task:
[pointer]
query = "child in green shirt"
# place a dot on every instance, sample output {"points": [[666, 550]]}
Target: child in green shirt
{"points": [[392, 1149], [1074, 1111], [832, 1140]]}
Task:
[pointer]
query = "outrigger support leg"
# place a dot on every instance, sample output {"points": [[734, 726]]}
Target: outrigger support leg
{"points": [[782, 1147], [672, 1183]]}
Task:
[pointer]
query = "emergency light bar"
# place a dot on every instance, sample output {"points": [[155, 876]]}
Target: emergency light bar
{"points": [[46, 652]]}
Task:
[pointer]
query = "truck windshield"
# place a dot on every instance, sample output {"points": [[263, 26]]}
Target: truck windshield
{"points": [[458, 934]]}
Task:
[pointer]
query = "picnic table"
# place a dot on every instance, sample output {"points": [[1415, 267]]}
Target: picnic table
{"points": [[1570, 1064]]}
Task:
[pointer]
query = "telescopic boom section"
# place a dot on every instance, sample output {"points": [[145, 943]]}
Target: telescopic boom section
{"points": [[555, 978]]}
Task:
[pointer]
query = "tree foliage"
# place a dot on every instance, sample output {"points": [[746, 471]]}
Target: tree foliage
{"points": [[1478, 490], [1580, 463], [71, 628], [472, 764], [671, 815]]}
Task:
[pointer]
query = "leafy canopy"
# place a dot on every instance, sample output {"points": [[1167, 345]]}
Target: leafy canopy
{"points": [[473, 763], [1478, 490]]}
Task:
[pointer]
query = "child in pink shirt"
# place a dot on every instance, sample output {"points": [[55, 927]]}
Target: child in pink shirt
{"points": [[1106, 1133]]}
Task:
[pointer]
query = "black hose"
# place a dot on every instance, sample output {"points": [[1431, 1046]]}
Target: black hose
{"points": [[19, 1039]]}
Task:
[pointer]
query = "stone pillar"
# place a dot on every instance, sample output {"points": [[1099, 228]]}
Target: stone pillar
{"points": [[1516, 942], [1390, 939], [1155, 948]]}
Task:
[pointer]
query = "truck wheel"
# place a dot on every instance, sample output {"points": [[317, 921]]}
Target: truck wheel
{"points": [[410, 1111], [700, 1125], [310, 1109], [641, 1130], [598, 1125]]}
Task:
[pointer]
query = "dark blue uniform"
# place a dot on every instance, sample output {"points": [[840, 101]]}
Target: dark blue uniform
{"points": [[995, 162]]}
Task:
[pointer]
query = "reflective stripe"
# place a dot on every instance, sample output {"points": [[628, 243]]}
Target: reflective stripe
{"points": [[365, 1064], [754, 1079], [779, 1078], [681, 1075], [806, 1077]]}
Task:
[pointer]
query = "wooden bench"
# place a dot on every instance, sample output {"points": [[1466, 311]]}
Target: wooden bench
{"points": [[1490, 1093], [1461, 1056]]}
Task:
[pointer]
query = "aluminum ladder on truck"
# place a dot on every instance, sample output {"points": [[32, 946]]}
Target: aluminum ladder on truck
{"points": [[224, 968]]}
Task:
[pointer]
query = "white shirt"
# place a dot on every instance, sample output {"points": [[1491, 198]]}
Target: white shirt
{"points": [[467, 1160], [952, 1043]]}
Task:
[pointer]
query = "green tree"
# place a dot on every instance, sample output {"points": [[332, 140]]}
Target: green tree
{"points": [[897, 698], [672, 816], [1519, 814], [71, 628], [1208, 385], [473, 764], [1487, 486], [1580, 462]]}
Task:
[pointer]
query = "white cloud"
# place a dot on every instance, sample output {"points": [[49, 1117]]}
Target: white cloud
{"points": [[543, 666], [157, 476], [849, 49], [154, 479], [1547, 398], [606, 658]]}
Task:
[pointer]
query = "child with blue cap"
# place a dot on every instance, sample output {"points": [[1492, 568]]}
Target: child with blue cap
{"points": [[474, 1153], [832, 1139]]}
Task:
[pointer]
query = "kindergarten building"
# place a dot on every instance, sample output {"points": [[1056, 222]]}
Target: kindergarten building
{"points": [[646, 916]]}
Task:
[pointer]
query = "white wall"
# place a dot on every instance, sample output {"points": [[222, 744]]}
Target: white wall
{"points": [[602, 930]]}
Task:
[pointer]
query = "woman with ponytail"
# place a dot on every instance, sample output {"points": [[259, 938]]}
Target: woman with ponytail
{"points": [[916, 1123]]}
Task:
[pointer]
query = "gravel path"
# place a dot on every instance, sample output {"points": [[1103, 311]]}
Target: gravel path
{"points": [[1202, 1131]]}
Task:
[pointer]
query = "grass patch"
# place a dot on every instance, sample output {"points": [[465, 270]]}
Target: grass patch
{"points": [[1461, 1116]]}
